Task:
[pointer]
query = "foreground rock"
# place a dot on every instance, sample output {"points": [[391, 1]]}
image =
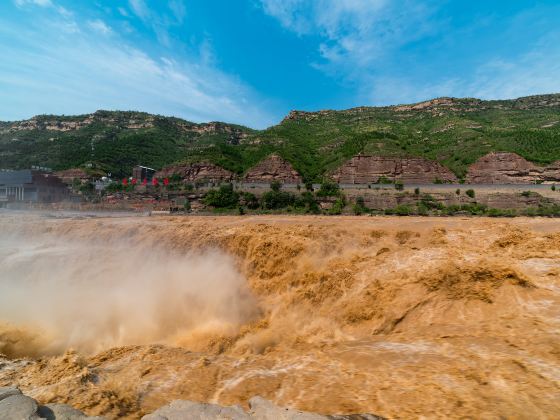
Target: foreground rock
{"points": [[259, 409], [16, 406]]}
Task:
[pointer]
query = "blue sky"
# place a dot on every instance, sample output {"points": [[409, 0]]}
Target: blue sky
{"points": [[252, 61]]}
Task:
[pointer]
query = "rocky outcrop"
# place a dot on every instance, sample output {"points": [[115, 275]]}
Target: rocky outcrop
{"points": [[273, 168], [260, 409], [370, 169], [67, 176], [16, 406], [200, 171], [510, 168]]}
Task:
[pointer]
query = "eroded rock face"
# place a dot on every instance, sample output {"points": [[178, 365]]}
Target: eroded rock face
{"points": [[68, 175], [369, 169], [510, 168], [273, 168], [14, 405], [193, 172], [260, 409]]}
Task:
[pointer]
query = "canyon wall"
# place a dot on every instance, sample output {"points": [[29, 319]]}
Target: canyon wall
{"points": [[200, 171], [273, 168], [510, 168], [370, 169]]}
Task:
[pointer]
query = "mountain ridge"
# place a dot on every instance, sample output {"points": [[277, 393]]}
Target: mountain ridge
{"points": [[452, 131]]}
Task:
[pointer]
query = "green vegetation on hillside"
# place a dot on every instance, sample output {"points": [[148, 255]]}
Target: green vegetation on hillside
{"points": [[454, 132]]}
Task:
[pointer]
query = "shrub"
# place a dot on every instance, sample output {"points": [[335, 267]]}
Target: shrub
{"points": [[328, 189], [416, 191], [187, 205], [458, 191], [175, 178], [275, 186], [383, 180], [251, 200], [553, 187], [338, 206], [400, 210], [272, 200], [223, 197], [307, 201], [526, 193], [438, 181], [470, 193], [360, 207], [431, 203], [399, 185]]}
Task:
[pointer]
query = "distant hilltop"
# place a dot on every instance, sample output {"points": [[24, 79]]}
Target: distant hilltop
{"points": [[514, 140]]}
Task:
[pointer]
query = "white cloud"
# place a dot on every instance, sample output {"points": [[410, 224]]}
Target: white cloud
{"points": [[365, 43], [532, 73], [86, 72], [99, 26], [123, 11], [355, 33], [178, 9], [42, 3], [140, 9]]}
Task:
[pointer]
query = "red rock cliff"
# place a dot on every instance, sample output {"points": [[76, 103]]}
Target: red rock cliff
{"points": [[273, 168], [369, 169], [201, 171], [510, 168]]}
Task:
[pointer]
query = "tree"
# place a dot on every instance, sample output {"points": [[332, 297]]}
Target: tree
{"points": [[276, 186], [360, 206], [470, 193], [328, 189], [223, 197]]}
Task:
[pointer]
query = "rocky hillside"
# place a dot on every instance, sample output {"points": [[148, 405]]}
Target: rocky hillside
{"points": [[109, 141], [452, 132]]}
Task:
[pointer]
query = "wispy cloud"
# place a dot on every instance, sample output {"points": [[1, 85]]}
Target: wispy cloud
{"points": [[99, 26], [140, 9], [178, 9], [370, 44], [355, 34], [42, 3], [88, 72]]}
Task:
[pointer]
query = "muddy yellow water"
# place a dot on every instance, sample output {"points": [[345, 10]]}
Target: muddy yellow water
{"points": [[402, 317]]}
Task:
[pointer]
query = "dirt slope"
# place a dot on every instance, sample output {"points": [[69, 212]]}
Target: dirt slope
{"points": [[403, 317]]}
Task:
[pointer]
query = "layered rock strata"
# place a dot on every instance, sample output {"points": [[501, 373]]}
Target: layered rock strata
{"points": [[510, 168], [200, 171], [365, 169], [273, 168]]}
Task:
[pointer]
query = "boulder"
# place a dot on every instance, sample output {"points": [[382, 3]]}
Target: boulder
{"points": [[62, 412], [8, 391], [264, 410], [180, 410], [260, 409], [18, 407]]}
